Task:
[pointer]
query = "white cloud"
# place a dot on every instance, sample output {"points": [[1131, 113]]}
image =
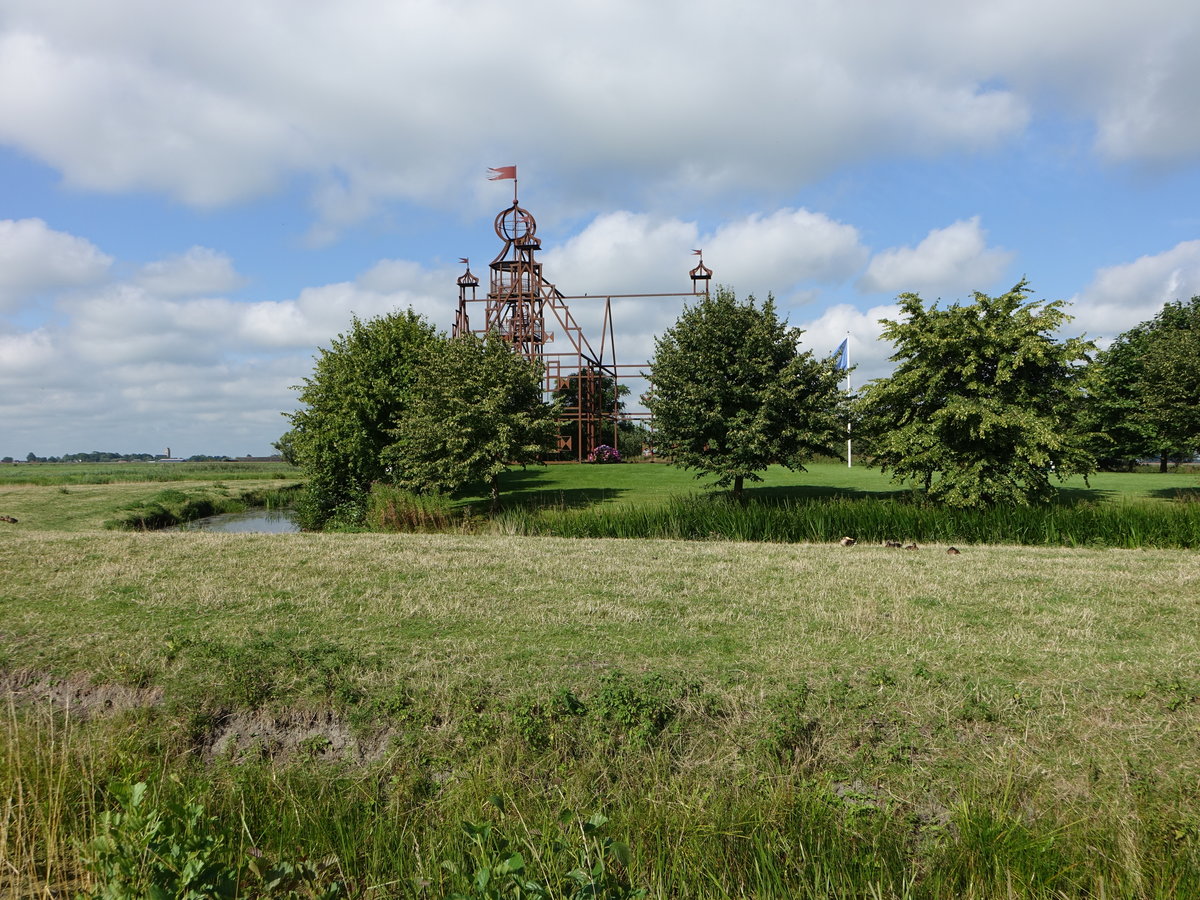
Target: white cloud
{"points": [[1144, 123], [111, 120], [198, 271], [211, 102], [25, 356], [1122, 296], [320, 313], [625, 252], [35, 258], [622, 253], [126, 326], [953, 259], [777, 252]]}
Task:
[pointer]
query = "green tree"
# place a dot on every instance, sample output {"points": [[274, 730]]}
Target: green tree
{"points": [[286, 445], [476, 410], [1145, 393], [983, 404], [732, 393], [351, 403]]}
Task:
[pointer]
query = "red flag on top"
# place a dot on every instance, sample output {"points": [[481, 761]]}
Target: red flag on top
{"points": [[500, 173], [464, 260], [697, 253]]}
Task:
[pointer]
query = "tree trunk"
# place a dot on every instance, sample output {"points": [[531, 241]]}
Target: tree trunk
{"points": [[737, 487], [495, 494], [1162, 463]]}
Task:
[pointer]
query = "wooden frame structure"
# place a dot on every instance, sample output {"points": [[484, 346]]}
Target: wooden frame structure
{"points": [[535, 317]]}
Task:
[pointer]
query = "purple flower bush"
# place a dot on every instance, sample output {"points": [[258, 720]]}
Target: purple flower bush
{"points": [[604, 454]]}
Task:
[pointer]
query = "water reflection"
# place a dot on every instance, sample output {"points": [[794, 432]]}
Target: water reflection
{"points": [[270, 521]]}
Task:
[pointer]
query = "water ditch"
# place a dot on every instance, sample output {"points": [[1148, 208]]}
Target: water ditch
{"points": [[251, 521]]}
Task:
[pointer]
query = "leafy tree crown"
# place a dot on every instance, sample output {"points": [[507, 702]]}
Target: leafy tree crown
{"points": [[733, 394], [983, 403], [350, 403], [475, 410]]}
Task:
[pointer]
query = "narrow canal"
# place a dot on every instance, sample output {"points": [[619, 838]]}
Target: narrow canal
{"points": [[270, 521]]}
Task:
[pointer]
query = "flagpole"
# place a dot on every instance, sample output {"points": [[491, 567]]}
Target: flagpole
{"points": [[849, 448]]}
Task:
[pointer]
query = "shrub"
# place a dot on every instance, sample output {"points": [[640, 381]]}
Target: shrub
{"points": [[604, 454]]}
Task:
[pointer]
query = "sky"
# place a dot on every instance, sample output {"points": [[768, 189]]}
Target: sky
{"points": [[196, 196]]}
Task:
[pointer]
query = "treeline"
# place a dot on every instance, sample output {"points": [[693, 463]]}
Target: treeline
{"points": [[104, 456]]}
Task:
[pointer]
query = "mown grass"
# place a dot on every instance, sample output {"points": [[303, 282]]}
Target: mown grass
{"points": [[777, 720], [754, 719]]}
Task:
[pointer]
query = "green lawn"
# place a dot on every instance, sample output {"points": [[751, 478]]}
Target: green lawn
{"points": [[571, 484]]}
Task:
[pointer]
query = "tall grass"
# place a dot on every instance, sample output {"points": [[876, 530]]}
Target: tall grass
{"points": [[697, 821], [1108, 524], [391, 509]]}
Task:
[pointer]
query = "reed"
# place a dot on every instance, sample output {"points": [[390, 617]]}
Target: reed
{"points": [[391, 509], [1127, 524]]}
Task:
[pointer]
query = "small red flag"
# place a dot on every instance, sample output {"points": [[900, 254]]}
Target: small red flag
{"points": [[697, 253], [500, 173], [464, 260]]}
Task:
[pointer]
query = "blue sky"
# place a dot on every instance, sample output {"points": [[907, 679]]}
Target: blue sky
{"points": [[199, 195]]}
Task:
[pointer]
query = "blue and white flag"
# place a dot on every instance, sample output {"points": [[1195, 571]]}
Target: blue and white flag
{"points": [[843, 356]]}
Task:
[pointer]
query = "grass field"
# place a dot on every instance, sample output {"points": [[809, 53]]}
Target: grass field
{"points": [[136, 472], [754, 719]]}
